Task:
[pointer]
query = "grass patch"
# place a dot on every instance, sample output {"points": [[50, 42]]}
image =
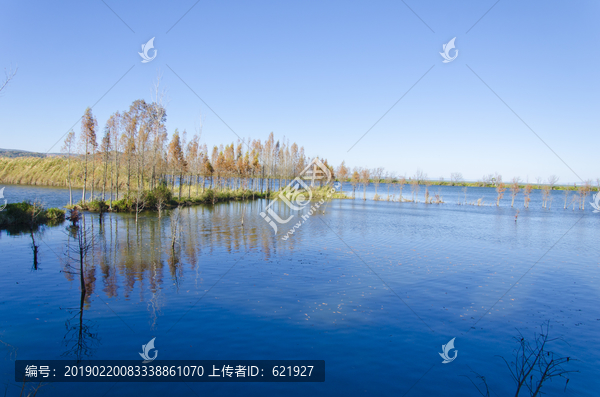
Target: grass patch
{"points": [[151, 200]]}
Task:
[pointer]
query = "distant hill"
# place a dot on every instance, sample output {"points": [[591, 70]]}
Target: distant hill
{"points": [[12, 153]]}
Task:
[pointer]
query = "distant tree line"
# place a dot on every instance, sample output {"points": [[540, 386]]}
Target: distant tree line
{"points": [[360, 178]]}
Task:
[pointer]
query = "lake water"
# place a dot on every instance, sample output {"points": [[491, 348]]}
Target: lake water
{"points": [[374, 288]]}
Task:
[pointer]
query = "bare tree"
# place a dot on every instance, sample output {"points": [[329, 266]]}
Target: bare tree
{"points": [[545, 195], [455, 177], [389, 180], [401, 183], [552, 180], [414, 187], [80, 338], [487, 179], [365, 175], [533, 365], [377, 175], [83, 244], [584, 191], [538, 180], [420, 176], [427, 185]]}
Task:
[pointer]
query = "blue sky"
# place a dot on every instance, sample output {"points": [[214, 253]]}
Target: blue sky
{"points": [[321, 74]]}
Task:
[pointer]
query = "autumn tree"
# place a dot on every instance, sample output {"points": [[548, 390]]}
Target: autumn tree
{"points": [[192, 160], [105, 148], [87, 143], [176, 158], [113, 125], [500, 188], [342, 173], [527, 193], [68, 147], [355, 181], [514, 189], [130, 125], [158, 134], [584, 191], [365, 175]]}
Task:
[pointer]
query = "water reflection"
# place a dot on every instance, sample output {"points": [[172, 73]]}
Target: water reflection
{"points": [[81, 339], [311, 295]]}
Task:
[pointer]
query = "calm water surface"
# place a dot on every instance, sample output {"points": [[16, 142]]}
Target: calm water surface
{"points": [[373, 288]]}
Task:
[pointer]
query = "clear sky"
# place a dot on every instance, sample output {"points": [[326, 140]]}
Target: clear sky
{"points": [[321, 73]]}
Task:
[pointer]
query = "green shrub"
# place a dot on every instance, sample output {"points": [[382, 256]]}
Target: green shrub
{"points": [[31, 215], [96, 206]]}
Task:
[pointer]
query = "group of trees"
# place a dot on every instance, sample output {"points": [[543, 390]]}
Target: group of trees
{"points": [[361, 177], [134, 153]]}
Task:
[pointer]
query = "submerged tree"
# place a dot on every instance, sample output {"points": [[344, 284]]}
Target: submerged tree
{"points": [[342, 173], [401, 183], [514, 189], [377, 175], [527, 193], [414, 187], [389, 180], [533, 365], [365, 175], [500, 189], [355, 181], [80, 338]]}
